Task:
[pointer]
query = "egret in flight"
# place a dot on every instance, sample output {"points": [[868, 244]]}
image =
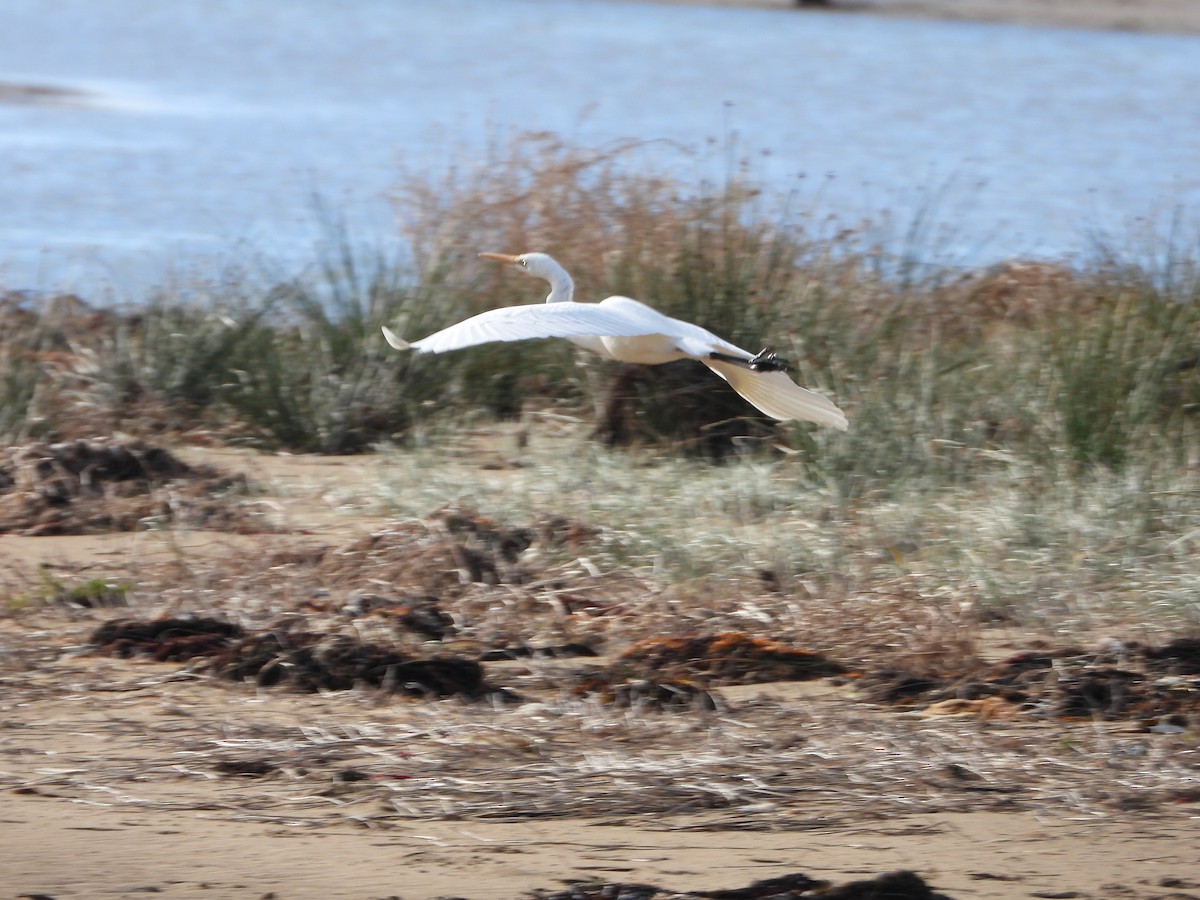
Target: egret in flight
{"points": [[631, 332]]}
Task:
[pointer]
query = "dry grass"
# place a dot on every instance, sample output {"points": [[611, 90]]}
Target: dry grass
{"points": [[759, 763]]}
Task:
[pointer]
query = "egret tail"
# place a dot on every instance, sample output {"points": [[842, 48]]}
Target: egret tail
{"points": [[778, 396]]}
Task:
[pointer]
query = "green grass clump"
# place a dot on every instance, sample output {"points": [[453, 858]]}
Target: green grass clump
{"points": [[18, 385], [91, 593], [33, 347], [320, 378], [1126, 370]]}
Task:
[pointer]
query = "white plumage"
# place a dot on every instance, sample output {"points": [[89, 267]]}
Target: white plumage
{"points": [[626, 330]]}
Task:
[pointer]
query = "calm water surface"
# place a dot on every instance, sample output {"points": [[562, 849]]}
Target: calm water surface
{"points": [[206, 126]]}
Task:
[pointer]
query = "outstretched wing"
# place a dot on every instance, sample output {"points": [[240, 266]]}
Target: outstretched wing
{"points": [[778, 396], [519, 323]]}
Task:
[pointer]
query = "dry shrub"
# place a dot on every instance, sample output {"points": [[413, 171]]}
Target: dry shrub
{"points": [[1024, 358], [438, 556], [33, 343], [1012, 295], [706, 418], [78, 371], [535, 192]]}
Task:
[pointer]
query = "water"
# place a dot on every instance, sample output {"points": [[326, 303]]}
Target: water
{"points": [[206, 126]]}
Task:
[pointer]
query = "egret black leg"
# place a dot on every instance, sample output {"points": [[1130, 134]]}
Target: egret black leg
{"points": [[765, 360]]}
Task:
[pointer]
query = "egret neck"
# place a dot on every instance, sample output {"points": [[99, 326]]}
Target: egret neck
{"points": [[562, 288], [539, 265]]}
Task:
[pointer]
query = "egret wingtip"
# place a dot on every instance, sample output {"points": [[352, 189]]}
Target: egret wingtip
{"points": [[395, 340]]}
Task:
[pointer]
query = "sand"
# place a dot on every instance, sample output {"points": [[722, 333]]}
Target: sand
{"points": [[1169, 16], [70, 850]]}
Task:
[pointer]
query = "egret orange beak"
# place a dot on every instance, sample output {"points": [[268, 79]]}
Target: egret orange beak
{"points": [[500, 257]]}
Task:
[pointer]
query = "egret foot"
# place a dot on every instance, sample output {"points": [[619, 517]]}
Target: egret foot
{"points": [[767, 360]]}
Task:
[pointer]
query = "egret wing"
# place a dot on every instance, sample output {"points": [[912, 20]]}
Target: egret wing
{"points": [[539, 320]]}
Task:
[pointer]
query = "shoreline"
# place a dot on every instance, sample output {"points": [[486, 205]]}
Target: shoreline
{"points": [[1145, 16]]}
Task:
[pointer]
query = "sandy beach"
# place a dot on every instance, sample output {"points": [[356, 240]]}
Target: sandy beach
{"points": [[129, 776], [1166, 16]]}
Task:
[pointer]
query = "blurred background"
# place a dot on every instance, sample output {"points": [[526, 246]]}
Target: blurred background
{"points": [[140, 141]]}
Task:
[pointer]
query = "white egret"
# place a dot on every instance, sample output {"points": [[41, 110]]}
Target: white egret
{"points": [[628, 331]]}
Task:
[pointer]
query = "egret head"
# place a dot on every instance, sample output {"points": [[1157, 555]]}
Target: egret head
{"points": [[542, 266], [538, 264]]}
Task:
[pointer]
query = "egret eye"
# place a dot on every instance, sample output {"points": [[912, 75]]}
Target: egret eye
{"points": [[523, 263]]}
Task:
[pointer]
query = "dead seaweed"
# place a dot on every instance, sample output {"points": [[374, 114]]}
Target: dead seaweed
{"points": [[306, 661], [763, 889], [1178, 657], [676, 672], [419, 615], [245, 768], [175, 639], [523, 651], [95, 487], [1119, 680], [902, 885], [732, 657], [313, 662]]}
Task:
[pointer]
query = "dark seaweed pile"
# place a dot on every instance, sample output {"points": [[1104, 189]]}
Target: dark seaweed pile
{"points": [[95, 487]]}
